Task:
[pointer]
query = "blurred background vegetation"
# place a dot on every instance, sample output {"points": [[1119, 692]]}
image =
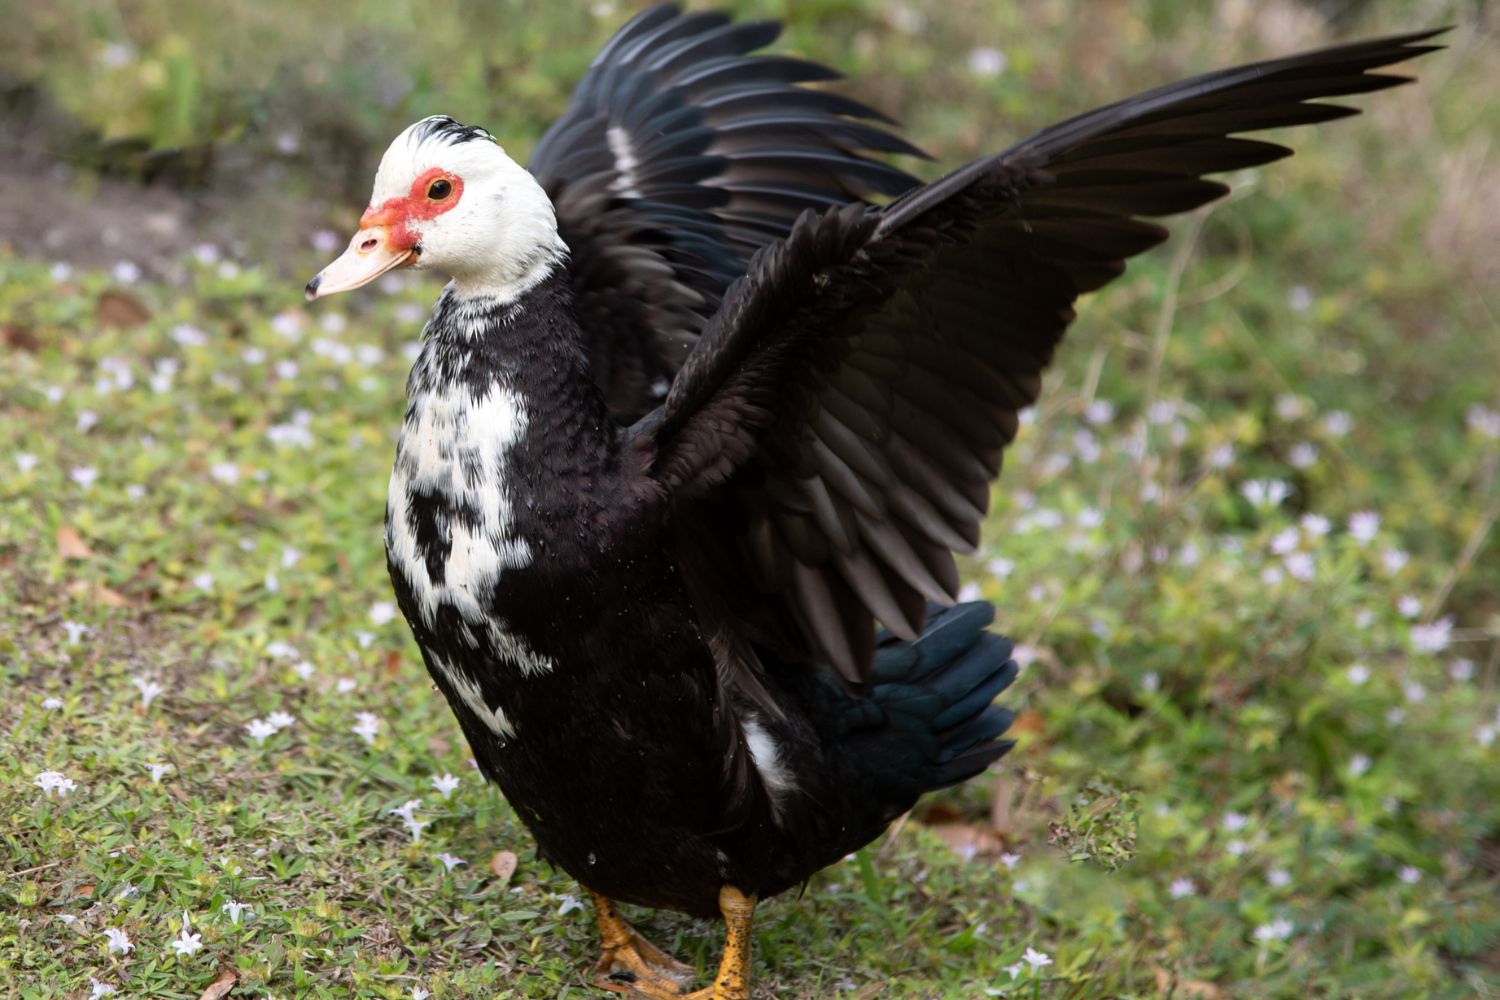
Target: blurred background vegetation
{"points": [[1259, 747]]}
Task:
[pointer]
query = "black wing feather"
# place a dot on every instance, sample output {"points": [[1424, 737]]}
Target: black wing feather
{"points": [[849, 404], [679, 156]]}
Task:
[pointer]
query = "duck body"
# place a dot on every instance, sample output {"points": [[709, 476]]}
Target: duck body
{"points": [[541, 584], [711, 403]]}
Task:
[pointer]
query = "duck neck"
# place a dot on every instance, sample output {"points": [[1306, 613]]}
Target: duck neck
{"points": [[530, 349]]}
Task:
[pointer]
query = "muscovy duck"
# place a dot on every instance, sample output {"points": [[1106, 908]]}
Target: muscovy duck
{"points": [[698, 408]]}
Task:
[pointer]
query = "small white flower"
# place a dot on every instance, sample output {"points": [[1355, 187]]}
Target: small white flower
{"points": [[259, 730], [1485, 734], [158, 771], [1393, 560], [1433, 638], [1409, 606], [1414, 692], [1100, 411], [98, 989], [1015, 970], [345, 685], [1410, 874], [1300, 298], [286, 369], [569, 904], [417, 993], [304, 670], [84, 475], [1010, 861], [1363, 526], [126, 272], [1038, 960], [1364, 618], [445, 784], [1181, 888], [1358, 765], [148, 688], [54, 393], [1301, 566], [970, 591], [364, 638], [289, 557], [1316, 525], [189, 336], [407, 809], [279, 650], [449, 861], [237, 910], [62, 270], [1000, 568], [272, 584], [1357, 673], [1151, 682], [204, 581], [1277, 930], [324, 240], [55, 781], [75, 630], [1265, 492], [1236, 848], [1395, 716], [415, 827], [1303, 455], [1461, 670], [225, 472], [187, 943], [119, 941], [986, 62], [1233, 822], [1337, 423], [1291, 407], [52, 704], [382, 612], [135, 491], [280, 720], [25, 461], [1285, 541], [366, 726], [1221, 457], [1278, 878], [1484, 422], [87, 420]]}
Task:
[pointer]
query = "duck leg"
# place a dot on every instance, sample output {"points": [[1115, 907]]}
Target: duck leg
{"points": [[733, 980], [630, 963]]}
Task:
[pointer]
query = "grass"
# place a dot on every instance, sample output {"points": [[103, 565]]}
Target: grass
{"points": [[1259, 750]]}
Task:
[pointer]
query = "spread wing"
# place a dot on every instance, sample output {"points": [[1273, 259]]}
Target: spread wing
{"points": [[679, 155], [846, 410]]}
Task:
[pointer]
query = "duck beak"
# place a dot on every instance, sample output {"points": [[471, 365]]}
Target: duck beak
{"points": [[371, 253]]}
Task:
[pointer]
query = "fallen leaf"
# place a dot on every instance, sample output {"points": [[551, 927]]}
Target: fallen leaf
{"points": [[19, 337], [503, 865], [1169, 985], [115, 308], [98, 593], [70, 544], [1027, 722], [220, 987], [393, 662], [970, 841]]}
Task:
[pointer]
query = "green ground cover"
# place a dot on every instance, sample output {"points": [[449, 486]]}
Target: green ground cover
{"points": [[1247, 544]]}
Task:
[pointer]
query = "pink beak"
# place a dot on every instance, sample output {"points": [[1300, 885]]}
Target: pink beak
{"points": [[371, 253]]}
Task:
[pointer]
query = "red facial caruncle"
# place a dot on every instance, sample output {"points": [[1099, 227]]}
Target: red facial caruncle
{"points": [[434, 192]]}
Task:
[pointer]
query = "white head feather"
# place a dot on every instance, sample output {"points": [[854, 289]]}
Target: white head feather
{"points": [[500, 238]]}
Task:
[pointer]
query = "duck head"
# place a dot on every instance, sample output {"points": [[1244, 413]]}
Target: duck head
{"points": [[447, 198]]}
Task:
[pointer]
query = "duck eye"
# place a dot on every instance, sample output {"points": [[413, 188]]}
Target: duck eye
{"points": [[439, 189]]}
